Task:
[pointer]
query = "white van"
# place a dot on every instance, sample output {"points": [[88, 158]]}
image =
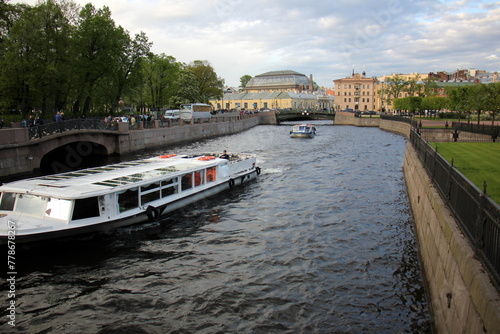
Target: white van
{"points": [[195, 111], [173, 114]]}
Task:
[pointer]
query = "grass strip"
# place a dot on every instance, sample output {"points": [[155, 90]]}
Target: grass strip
{"points": [[479, 162]]}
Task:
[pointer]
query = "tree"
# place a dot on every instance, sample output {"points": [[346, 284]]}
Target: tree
{"points": [[36, 59], [413, 87], [187, 90], [98, 45], [492, 100], [410, 103], [434, 102], [160, 73], [430, 87], [392, 88], [129, 62], [244, 80], [209, 84]]}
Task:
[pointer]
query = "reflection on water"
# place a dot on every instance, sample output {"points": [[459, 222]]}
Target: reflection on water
{"points": [[322, 242]]}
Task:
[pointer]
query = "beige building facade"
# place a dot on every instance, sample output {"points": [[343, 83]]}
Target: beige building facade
{"points": [[276, 90], [272, 100], [357, 93]]}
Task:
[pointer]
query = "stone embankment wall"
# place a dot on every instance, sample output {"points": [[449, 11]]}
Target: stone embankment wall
{"points": [[131, 141], [462, 297], [346, 118]]}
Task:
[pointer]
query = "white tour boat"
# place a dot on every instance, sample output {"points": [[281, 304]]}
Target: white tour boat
{"points": [[303, 131], [102, 198]]}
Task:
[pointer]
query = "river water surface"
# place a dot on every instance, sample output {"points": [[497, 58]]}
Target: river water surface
{"points": [[321, 242]]}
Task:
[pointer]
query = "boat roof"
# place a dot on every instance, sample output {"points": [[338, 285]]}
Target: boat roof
{"points": [[110, 178]]}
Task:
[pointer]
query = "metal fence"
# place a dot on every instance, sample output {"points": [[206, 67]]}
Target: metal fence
{"points": [[453, 135], [486, 130], [397, 118], [477, 214], [48, 129]]}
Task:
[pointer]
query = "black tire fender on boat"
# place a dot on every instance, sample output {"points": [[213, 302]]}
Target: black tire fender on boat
{"points": [[153, 213], [231, 183], [257, 170]]}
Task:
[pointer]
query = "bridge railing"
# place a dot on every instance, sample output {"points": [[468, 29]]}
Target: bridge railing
{"points": [[48, 129], [477, 214]]}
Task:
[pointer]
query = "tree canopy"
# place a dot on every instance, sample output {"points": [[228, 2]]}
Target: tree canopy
{"points": [[57, 56]]}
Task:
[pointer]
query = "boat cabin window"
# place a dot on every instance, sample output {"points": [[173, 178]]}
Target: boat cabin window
{"points": [[128, 199], [58, 208], [150, 193], [199, 178], [30, 204], [187, 181], [211, 174], [7, 202], [169, 187], [86, 208]]}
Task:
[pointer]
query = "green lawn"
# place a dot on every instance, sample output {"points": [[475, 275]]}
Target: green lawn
{"points": [[479, 162]]}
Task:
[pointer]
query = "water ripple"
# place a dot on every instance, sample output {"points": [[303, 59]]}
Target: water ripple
{"points": [[322, 242]]}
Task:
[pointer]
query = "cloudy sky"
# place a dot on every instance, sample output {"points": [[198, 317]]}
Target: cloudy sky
{"points": [[325, 38]]}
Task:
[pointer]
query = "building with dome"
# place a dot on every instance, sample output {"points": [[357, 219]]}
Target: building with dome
{"points": [[276, 90], [280, 81]]}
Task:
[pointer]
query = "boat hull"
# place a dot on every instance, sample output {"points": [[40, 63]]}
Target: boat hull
{"points": [[301, 135], [152, 214]]}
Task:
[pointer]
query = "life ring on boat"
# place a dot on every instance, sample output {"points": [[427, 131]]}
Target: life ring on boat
{"points": [[166, 156], [206, 158], [153, 213], [257, 170], [231, 183]]}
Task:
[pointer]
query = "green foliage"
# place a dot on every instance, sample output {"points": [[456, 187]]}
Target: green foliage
{"points": [[210, 87], [477, 98], [244, 80], [58, 56]]}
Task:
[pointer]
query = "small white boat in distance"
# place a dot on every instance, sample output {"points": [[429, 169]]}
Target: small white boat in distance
{"points": [[303, 131], [122, 194]]}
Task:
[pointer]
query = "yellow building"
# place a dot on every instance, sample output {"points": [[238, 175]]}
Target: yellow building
{"points": [[276, 90], [272, 100], [357, 93]]}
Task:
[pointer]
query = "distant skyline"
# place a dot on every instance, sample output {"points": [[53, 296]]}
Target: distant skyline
{"points": [[324, 38]]}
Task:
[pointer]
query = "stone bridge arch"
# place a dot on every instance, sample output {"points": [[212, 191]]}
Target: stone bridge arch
{"points": [[66, 152]]}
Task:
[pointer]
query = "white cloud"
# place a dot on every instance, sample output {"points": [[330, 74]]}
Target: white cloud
{"points": [[323, 38]]}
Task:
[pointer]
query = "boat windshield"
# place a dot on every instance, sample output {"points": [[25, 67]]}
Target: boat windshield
{"points": [[36, 205]]}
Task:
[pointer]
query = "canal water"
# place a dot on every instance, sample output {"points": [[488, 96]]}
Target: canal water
{"points": [[321, 242]]}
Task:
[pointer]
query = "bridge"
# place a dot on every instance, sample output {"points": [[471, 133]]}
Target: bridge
{"points": [[304, 115], [74, 144]]}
